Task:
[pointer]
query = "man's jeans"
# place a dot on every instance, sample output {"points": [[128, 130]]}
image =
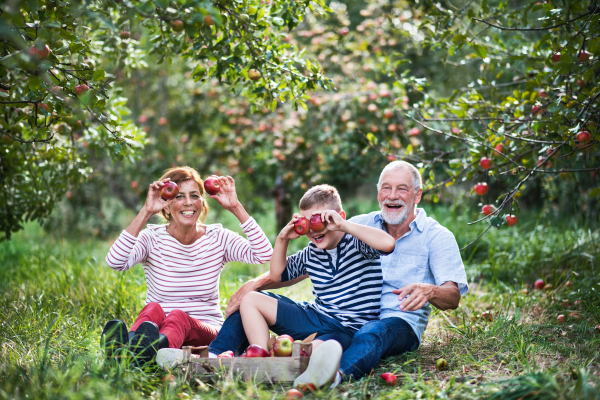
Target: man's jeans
{"points": [[374, 341]]}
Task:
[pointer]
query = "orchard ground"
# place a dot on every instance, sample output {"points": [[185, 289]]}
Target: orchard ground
{"points": [[58, 293]]}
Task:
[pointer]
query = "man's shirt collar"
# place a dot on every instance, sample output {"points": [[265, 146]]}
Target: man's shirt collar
{"points": [[419, 221]]}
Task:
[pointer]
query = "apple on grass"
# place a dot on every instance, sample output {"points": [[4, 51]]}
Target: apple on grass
{"points": [[293, 394], [561, 319], [307, 387], [301, 226], [169, 191], [389, 378], [539, 284], [487, 316], [441, 364], [212, 185], [316, 224], [597, 328]]}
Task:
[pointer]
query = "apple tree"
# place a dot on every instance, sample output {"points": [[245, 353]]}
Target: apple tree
{"points": [[59, 61]]}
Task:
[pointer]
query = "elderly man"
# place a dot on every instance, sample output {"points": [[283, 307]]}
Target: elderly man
{"points": [[425, 268]]}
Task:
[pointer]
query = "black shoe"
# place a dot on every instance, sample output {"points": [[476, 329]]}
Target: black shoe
{"points": [[114, 337], [144, 344]]}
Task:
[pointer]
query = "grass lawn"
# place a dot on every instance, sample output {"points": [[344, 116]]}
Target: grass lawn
{"points": [[56, 295]]}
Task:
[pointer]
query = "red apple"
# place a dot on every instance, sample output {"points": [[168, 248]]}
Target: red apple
{"points": [[226, 354], [81, 89], [583, 56], [568, 284], [316, 224], [536, 110], [307, 387], [487, 209], [388, 114], [597, 328], [389, 378], [212, 185], [253, 74], [414, 132], [125, 35], [344, 31], [543, 93], [539, 284], [583, 136], [303, 353], [561, 319], [44, 106], [282, 347], [256, 351], [580, 82], [372, 107], [293, 394], [208, 20], [511, 220], [169, 191], [566, 303], [481, 188], [485, 163], [286, 336], [177, 25], [40, 54], [556, 57], [134, 184], [487, 316], [243, 355], [301, 226], [498, 149]]}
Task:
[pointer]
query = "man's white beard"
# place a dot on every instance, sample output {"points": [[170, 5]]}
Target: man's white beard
{"points": [[395, 218]]}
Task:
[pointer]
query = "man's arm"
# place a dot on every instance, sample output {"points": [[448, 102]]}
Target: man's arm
{"points": [[444, 297], [262, 282]]}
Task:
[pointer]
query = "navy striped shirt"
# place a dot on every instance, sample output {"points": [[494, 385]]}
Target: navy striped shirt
{"points": [[348, 290]]}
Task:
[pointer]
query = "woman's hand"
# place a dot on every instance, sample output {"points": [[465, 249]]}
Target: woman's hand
{"points": [[288, 232], [154, 202], [227, 197]]}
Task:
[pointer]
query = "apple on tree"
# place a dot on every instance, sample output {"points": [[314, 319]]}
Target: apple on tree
{"points": [[40, 54], [583, 136], [487, 209], [481, 188], [485, 163], [253, 74], [556, 57], [177, 25], [511, 220], [583, 56], [125, 35], [81, 89]]}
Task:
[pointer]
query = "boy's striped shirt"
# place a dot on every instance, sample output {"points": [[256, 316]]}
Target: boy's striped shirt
{"points": [[348, 290]]}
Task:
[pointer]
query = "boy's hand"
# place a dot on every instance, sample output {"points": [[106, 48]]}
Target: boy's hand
{"points": [[335, 222], [288, 232]]}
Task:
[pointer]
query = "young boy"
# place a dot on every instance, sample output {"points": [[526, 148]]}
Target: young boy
{"points": [[344, 266]]}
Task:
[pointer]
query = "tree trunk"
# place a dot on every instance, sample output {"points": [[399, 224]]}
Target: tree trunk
{"points": [[283, 204]]}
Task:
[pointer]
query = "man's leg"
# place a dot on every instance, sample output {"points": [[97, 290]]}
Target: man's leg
{"points": [[375, 340]]}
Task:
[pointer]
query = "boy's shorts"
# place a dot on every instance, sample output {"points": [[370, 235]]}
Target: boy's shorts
{"points": [[296, 319]]}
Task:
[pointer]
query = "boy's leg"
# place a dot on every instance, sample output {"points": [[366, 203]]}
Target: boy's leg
{"points": [[258, 313]]}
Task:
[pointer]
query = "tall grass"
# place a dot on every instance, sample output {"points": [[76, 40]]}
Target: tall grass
{"points": [[57, 294]]}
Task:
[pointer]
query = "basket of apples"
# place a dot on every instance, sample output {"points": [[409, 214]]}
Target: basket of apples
{"points": [[282, 361]]}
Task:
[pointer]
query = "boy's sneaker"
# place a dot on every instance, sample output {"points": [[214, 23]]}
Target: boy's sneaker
{"points": [[114, 337], [144, 343], [322, 366], [170, 358]]}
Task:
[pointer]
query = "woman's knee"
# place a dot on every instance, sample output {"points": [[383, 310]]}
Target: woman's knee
{"points": [[177, 314]]}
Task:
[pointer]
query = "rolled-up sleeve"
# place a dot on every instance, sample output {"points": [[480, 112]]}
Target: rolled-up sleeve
{"points": [[444, 260]]}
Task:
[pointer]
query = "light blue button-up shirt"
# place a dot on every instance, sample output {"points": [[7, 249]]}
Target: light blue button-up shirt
{"points": [[427, 253]]}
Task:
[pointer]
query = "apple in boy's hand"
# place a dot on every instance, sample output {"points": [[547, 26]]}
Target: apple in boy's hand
{"points": [[317, 224], [389, 378], [169, 191], [226, 354], [282, 347], [212, 185], [256, 351], [301, 226]]}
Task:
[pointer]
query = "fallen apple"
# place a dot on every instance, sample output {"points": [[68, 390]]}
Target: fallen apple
{"points": [[576, 315], [441, 364], [301, 226], [548, 287], [597, 328], [169, 191], [226, 354], [316, 224], [293, 394], [539, 284], [511, 220], [485, 163], [481, 188], [561, 319], [307, 387], [487, 210], [568, 284], [487, 316], [255, 350], [389, 378], [282, 347], [212, 185]]}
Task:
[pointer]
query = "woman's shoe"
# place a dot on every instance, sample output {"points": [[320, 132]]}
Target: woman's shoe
{"points": [[144, 343], [114, 337]]}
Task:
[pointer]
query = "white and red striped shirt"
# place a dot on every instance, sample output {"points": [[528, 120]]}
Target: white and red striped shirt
{"points": [[186, 277]]}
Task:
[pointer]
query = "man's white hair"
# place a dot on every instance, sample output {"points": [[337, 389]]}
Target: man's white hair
{"points": [[398, 165]]}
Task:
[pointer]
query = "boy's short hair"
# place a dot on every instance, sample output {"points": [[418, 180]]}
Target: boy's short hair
{"points": [[321, 195]]}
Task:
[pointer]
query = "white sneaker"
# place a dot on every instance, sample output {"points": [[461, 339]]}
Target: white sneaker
{"points": [[322, 366], [169, 358]]}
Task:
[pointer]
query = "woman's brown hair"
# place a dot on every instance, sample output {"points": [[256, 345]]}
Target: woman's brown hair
{"points": [[182, 174]]}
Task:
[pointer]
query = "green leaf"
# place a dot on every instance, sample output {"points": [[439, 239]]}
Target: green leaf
{"points": [[98, 75], [496, 221]]}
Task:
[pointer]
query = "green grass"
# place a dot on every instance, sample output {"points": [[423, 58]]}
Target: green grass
{"points": [[57, 294]]}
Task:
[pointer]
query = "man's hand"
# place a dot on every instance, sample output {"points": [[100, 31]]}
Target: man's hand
{"points": [[234, 301], [444, 297]]}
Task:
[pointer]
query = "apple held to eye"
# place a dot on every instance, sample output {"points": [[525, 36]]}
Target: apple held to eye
{"points": [[301, 226], [317, 224], [169, 191], [212, 185]]}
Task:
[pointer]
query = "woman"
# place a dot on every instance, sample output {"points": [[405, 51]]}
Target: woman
{"points": [[182, 262]]}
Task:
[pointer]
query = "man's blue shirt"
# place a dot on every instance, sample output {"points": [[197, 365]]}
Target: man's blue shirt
{"points": [[427, 253]]}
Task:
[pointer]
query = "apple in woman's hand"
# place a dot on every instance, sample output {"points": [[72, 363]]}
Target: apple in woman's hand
{"points": [[301, 226], [212, 185], [169, 191]]}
